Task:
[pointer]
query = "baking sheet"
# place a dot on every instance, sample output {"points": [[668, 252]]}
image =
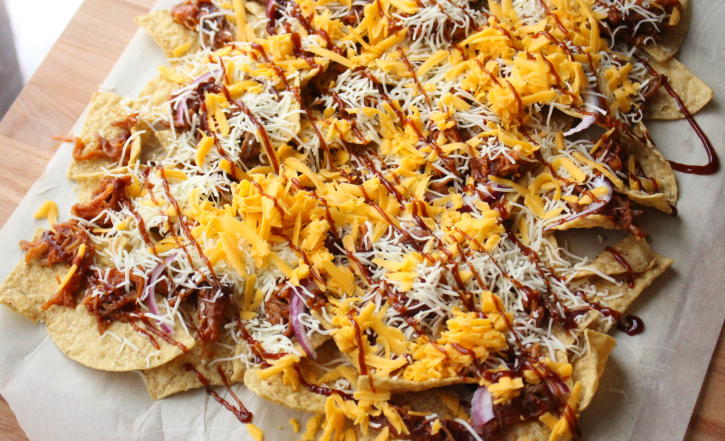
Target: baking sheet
{"points": [[650, 385]]}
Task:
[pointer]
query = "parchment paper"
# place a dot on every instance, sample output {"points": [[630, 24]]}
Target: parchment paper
{"points": [[650, 385]]}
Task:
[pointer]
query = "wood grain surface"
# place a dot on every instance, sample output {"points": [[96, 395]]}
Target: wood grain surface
{"points": [[62, 87]]}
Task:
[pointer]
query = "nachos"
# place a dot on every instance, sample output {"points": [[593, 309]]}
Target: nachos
{"points": [[352, 207]]}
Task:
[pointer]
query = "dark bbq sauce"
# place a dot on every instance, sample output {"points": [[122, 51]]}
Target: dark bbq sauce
{"points": [[622, 261], [163, 336], [272, 198], [360, 346], [153, 341], [242, 414], [260, 354], [634, 326], [321, 390], [519, 103], [713, 162], [487, 72], [185, 228], [271, 153], [559, 24], [415, 76]]}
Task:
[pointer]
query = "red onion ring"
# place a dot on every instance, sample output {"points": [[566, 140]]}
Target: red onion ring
{"points": [[181, 109], [594, 206], [151, 297], [201, 79], [588, 119], [297, 306], [482, 407]]}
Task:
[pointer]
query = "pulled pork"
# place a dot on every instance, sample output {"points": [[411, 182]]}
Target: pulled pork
{"points": [[191, 12], [110, 195], [501, 166], [213, 305], [62, 245], [110, 300], [111, 149], [632, 26]]}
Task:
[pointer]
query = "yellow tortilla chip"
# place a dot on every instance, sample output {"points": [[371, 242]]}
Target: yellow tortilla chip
{"points": [[694, 92], [75, 332], [589, 368], [671, 39], [172, 378], [637, 253], [530, 430], [569, 337], [655, 166], [590, 221], [158, 90], [167, 33], [273, 389], [29, 286], [628, 295], [400, 385], [105, 109]]}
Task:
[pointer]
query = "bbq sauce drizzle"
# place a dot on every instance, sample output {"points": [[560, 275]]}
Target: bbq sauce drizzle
{"points": [[241, 412], [713, 162]]}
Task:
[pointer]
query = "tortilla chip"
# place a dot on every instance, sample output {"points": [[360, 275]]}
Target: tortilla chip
{"points": [[29, 286], [629, 295], [172, 378], [400, 385], [589, 368], [273, 389], [570, 337], [672, 39], [105, 109], [655, 166], [693, 91], [167, 33], [75, 332], [527, 431], [316, 341], [590, 221], [158, 90], [256, 13], [637, 253]]}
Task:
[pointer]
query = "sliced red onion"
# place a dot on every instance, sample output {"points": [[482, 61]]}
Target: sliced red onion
{"points": [[297, 306], [151, 297], [181, 109], [588, 118], [556, 385], [482, 407], [202, 78], [594, 206]]}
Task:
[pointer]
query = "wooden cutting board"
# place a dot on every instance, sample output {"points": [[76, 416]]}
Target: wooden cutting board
{"points": [[62, 87]]}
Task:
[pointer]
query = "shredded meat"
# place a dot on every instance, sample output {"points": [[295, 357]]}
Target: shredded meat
{"points": [[250, 147], [533, 402], [110, 195], [110, 300], [631, 26], [363, 240], [419, 427], [501, 166], [212, 310], [190, 13], [619, 209], [62, 245], [111, 149], [276, 308]]}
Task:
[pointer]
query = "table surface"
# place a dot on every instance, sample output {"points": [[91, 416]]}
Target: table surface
{"points": [[60, 90]]}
